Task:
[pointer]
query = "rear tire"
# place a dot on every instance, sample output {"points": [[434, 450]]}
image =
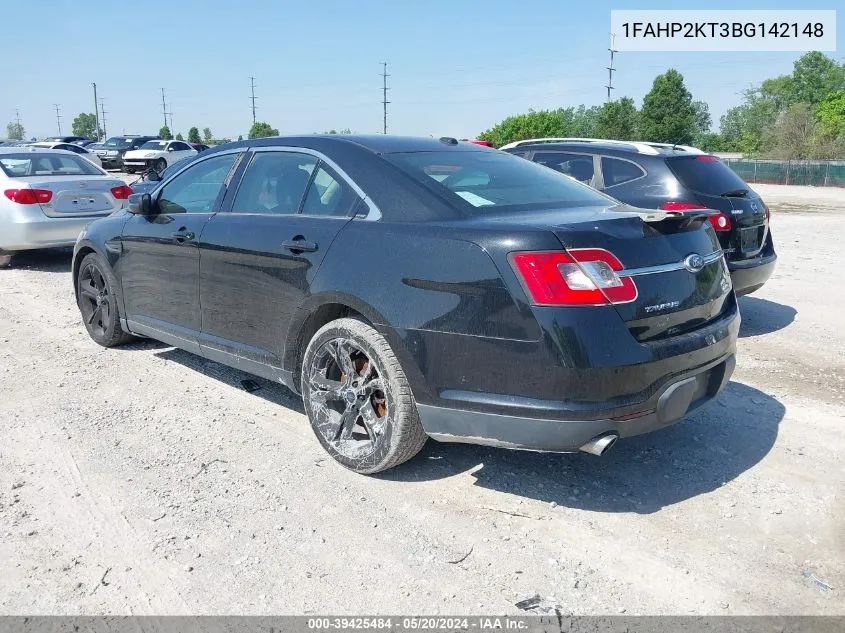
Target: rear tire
{"points": [[98, 302], [5, 259], [358, 399]]}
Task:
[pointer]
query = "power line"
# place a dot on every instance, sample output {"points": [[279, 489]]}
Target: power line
{"points": [[610, 68], [58, 118], [103, 117], [252, 91], [384, 89]]}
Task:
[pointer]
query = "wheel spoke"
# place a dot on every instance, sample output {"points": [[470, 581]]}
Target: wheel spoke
{"points": [[89, 291], [347, 423], [97, 278], [97, 311], [376, 384], [372, 423], [342, 356], [105, 313], [319, 382]]}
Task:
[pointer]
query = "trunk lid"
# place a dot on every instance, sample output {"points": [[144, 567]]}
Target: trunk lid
{"points": [[75, 196], [653, 248]]}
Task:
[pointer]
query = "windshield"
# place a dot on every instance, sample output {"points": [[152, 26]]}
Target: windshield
{"points": [[158, 145], [44, 164], [119, 142], [706, 174], [498, 181]]}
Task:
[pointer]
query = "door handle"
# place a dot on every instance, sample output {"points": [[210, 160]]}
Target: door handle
{"points": [[299, 245], [182, 235]]}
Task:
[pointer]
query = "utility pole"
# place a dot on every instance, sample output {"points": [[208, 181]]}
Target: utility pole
{"points": [[384, 90], [252, 90], [96, 113], [18, 120], [610, 68], [103, 117], [172, 130], [58, 118], [163, 108]]}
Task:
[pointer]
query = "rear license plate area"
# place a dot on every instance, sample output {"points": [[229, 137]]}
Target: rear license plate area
{"points": [[749, 239]]}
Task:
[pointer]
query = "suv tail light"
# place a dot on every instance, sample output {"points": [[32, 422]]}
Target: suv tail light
{"points": [[122, 192], [29, 196], [579, 277], [720, 222], [680, 206]]}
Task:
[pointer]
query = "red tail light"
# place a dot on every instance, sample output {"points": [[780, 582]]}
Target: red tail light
{"points": [[122, 192], [29, 196], [680, 206], [706, 158], [720, 222], [580, 277]]}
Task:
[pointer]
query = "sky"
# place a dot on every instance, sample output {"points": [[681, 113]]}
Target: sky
{"points": [[456, 67]]}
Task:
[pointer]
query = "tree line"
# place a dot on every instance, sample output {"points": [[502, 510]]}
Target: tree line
{"points": [[796, 116]]}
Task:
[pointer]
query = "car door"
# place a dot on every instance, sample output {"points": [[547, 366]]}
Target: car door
{"points": [[260, 255], [159, 263]]}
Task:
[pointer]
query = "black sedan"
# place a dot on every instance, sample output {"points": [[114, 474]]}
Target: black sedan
{"points": [[413, 288]]}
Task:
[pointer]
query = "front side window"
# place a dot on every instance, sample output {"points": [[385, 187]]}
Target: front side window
{"points": [[197, 188], [154, 145], [495, 182], [275, 183], [31, 164], [615, 171]]}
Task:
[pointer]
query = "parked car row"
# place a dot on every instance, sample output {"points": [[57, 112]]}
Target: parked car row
{"points": [[513, 301]]}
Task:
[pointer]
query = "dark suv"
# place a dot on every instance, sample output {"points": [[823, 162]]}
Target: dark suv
{"points": [[113, 150], [671, 178]]}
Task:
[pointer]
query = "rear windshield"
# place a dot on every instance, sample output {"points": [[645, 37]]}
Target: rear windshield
{"points": [[119, 142], [482, 181], [41, 164], [706, 174], [154, 145]]}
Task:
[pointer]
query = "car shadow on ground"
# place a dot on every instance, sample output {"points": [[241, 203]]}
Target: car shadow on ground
{"points": [[761, 316], [52, 260], [274, 393], [640, 474]]}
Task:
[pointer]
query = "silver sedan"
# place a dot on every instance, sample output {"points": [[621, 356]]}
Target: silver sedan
{"points": [[49, 196]]}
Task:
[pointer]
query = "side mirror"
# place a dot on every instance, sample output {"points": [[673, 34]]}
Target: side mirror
{"points": [[140, 204], [153, 176]]}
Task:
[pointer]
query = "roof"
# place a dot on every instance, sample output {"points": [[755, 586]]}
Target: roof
{"points": [[29, 149], [377, 143], [638, 147]]}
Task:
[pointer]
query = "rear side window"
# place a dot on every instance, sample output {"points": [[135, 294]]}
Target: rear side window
{"points": [[328, 196], [17, 165], [485, 182], [615, 171], [577, 166], [705, 174]]}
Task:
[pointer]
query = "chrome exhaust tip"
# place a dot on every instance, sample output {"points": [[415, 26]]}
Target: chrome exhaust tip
{"points": [[600, 445]]}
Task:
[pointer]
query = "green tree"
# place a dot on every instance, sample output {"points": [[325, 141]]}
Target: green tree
{"points": [[207, 137], [668, 114], [261, 129], [815, 76], [179, 137], [194, 135], [85, 124], [831, 112], [617, 120], [345, 130], [15, 131], [533, 124], [164, 132], [792, 134]]}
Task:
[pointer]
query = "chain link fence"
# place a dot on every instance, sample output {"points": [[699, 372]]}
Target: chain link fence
{"points": [[816, 173]]}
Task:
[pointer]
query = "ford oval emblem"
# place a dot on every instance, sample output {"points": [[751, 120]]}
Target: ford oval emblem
{"points": [[694, 262]]}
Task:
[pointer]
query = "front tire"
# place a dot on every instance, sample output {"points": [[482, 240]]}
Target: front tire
{"points": [[129, 170], [358, 399], [5, 259], [98, 302]]}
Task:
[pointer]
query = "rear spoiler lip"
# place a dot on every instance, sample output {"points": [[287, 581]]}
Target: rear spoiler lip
{"points": [[686, 218]]}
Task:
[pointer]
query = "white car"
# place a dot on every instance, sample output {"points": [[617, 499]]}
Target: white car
{"points": [[70, 147], [49, 196], [156, 155]]}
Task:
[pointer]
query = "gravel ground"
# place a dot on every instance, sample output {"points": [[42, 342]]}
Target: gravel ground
{"points": [[144, 480]]}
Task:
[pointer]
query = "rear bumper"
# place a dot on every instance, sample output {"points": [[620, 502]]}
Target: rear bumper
{"points": [[111, 162], [681, 396], [41, 232], [750, 274]]}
